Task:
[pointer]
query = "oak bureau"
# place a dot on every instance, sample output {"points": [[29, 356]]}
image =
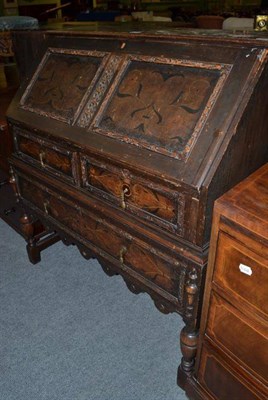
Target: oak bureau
{"points": [[123, 140]]}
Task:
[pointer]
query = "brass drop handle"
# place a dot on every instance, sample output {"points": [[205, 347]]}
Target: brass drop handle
{"points": [[46, 206], [123, 251], [124, 193], [42, 156]]}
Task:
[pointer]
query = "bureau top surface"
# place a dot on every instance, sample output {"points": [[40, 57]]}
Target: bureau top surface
{"points": [[247, 203], [169, 100], [153, 29]]}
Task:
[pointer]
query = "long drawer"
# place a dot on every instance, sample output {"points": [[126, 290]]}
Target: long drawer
{"points": [[155, 269]]}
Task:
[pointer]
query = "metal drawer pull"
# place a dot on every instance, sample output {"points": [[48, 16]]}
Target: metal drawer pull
{"points": [[46, 207], [123, 251], [125, 193], [42, 156]]}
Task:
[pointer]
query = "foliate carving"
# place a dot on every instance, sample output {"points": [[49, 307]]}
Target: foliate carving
{"points": [[99, 92], [60, 85], [160, 106]]}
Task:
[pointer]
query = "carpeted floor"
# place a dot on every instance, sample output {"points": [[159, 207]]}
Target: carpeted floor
{"points": [[69, 332]]}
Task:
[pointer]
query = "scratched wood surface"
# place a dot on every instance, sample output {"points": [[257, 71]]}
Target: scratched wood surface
{"points": [[152, 128]]}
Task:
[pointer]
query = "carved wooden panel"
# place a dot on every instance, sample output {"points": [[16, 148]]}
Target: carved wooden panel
{"points": [[100, 90], [159, 105], [107, 239], [61, 83]]}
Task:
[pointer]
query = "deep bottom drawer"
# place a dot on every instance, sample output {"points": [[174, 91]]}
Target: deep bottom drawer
{"points": [[221, 380], [103, 237]]}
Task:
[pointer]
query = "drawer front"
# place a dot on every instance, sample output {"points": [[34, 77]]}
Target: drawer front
{"points": [[133, 194], [242, 272], [108, 240], [45, 155], [221, 381], [245, 339]]}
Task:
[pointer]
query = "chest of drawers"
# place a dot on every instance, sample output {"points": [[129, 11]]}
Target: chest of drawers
{"points": [[233, 350], [124, 140]]}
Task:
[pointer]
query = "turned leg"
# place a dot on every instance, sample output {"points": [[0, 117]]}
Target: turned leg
{"points": [[26, 226], [38, 238], [189, 334], [28, 229], [33, 252]]}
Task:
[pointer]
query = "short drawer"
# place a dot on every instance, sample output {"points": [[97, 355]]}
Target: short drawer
{"points": [[143, 198], [244, 338], [159, 271], [45, 155], [222, 381], [243, 273]]}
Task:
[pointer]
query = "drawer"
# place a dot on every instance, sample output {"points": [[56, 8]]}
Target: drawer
{"points": [[45, 155], [147, 200], [155, 269], [244, 338], [222, 381], [241, 272]]}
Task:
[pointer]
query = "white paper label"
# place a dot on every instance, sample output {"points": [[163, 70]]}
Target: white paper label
{"points": [[245, 269]]}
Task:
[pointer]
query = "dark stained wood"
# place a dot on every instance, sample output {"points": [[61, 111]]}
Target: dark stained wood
{"points": [[11, 211], [233, 347], [123, 141]]}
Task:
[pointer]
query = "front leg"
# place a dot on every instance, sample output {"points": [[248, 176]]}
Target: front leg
{"points": [[189, 334], [27, 226]]}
